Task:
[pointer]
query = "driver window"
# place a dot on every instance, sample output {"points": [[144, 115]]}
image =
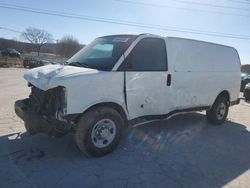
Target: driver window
{"points": [[148, 55]]}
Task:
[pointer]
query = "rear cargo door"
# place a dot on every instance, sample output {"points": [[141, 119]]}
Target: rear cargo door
{"points": [[148, 82]]}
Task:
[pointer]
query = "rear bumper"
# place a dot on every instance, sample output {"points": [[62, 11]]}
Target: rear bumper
{"points": [[235, 102], [36, 123]]}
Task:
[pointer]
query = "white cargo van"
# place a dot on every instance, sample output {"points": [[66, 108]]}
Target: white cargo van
{"points": [[126, 79]]}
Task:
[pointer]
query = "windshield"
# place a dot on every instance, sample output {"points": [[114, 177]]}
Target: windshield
{"points": [[102, 53]]}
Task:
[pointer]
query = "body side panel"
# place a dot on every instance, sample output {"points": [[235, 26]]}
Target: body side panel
{"points": [[85, 91], [201, 71]]}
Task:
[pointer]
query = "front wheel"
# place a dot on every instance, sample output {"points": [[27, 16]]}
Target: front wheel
{"points": [[99, 131], [218, 112]]}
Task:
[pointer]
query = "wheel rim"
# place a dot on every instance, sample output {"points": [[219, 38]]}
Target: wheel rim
{"points": [[221, 111], [103, 133]]}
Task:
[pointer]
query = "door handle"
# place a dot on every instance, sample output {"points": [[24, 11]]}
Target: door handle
{"points": [[169, 78]]}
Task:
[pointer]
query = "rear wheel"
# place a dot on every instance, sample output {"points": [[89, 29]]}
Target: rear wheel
{"points": [[99, 131], [218, 112]]}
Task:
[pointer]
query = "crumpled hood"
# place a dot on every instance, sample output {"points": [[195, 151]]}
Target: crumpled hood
{"points": [[48, 76]]}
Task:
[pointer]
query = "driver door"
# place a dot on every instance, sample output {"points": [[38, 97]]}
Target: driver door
{"points": [[148, 82]]}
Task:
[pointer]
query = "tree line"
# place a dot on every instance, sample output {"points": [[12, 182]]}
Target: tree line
{"points": [[42, 41]]}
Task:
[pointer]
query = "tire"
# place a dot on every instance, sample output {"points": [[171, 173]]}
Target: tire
{"points": [[246, 95], [99, 131], [247, 98], [217, 114]]}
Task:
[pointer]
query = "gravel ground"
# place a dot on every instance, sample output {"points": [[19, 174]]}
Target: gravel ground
{"points": [[184, 151]]}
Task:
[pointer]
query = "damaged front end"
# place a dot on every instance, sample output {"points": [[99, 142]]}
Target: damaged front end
{"points": [[44, 111]]}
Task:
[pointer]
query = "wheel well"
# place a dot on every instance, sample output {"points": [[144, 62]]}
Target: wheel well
{"points": [[115, 106], [225, 94]]}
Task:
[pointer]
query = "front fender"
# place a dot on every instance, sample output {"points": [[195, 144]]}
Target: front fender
{"points": [[107, 101]]}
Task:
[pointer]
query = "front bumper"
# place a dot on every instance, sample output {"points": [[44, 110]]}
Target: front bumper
{"points": [[36, 123]]}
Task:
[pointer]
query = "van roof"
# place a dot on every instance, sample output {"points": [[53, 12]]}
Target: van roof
{"points": [[154, 35], [201, 41]]}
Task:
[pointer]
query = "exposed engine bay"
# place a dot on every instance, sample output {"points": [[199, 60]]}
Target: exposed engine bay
{"points": [[44, 111], [50, 103]]}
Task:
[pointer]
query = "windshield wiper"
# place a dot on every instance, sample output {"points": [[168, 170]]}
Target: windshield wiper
{"points": [[78, 64]]}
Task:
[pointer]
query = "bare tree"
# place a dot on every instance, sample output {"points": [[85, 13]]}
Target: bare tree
{"points": [[38, 37], [68, 46]]}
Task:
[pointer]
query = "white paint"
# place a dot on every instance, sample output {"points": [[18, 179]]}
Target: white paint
{"points": [[200, 71], [85, 87], [148, 94]]}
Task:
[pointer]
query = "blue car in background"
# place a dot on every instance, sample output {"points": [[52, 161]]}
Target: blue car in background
{"points": [[10, 52]]}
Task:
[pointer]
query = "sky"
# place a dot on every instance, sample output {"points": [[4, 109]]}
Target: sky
{"points": [[218, 16]]}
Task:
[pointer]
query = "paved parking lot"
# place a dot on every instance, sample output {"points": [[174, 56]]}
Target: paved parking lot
{"points": [[184, 151]]}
